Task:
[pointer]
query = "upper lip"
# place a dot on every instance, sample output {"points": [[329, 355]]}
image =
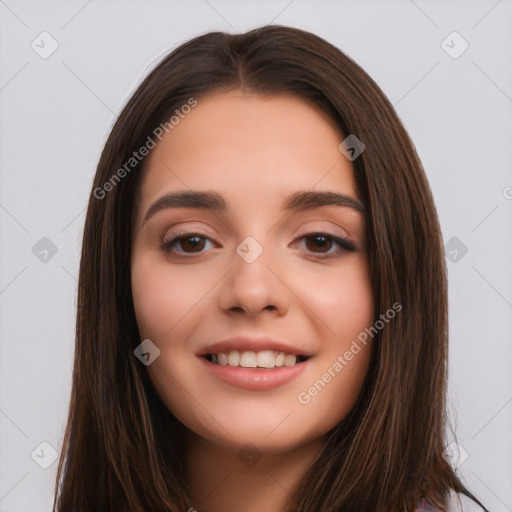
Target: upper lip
{"points": [[242, 343]]}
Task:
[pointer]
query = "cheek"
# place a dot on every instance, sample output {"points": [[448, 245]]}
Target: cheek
{"points": [[151, 299], [342, 299], [163, 298], [163, 294], [344, 302]]}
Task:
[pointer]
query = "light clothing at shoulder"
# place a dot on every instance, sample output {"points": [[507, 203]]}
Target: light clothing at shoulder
{"points": [[459, 502]]}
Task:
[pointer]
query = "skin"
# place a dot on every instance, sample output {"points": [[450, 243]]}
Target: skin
{"points": [[253, 150]]}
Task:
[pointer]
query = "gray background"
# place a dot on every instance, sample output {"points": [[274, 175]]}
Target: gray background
{"points": [[57, 111]]}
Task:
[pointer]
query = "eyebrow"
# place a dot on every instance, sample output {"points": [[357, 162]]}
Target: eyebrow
{"points": [[296, 201]]}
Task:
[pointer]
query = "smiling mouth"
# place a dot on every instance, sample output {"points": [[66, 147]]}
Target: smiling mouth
{"points": [[250, 359]]}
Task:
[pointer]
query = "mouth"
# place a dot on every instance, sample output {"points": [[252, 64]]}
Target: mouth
{"points": [[254, 363], [266, 359], [262, 370]]}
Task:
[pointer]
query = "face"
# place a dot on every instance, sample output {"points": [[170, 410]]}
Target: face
{"points": [[254, 294]]}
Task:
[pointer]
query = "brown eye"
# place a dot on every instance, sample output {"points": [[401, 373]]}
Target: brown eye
{"points": [[324, 245], [318, 243], [192, 243], [186, 244]]}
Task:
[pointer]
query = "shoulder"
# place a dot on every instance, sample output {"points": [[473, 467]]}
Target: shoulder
{"points": [[459, 502]]}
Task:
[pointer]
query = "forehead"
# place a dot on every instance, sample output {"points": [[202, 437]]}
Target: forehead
{"points": [[250, 147]]}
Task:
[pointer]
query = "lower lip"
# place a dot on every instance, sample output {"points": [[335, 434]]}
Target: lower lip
{"points": [[255, 379]]}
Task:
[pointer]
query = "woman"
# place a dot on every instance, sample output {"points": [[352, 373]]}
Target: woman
{"points": [[262, 305]]}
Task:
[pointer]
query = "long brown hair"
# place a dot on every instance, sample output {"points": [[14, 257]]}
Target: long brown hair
{"points": [[122, 447]]}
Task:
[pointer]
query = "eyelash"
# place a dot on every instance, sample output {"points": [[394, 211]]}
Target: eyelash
{"points": [[344, 245]]}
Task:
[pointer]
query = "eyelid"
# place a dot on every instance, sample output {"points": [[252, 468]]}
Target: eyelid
{"points": [[174, 231], [327, 228]]}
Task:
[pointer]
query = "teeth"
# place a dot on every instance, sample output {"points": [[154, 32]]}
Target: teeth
{"points": [[248, 360], [266, 359], [234, 358], [251, 359], [290, 360]]}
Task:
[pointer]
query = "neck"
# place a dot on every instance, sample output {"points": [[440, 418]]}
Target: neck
{"points": [[225, 480]]}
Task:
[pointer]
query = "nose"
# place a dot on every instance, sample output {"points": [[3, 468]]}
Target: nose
{"points": [[254, 287]]}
